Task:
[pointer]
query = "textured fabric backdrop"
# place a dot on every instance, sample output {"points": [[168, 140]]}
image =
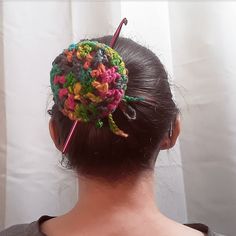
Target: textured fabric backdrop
{"points": [[195, 181]]}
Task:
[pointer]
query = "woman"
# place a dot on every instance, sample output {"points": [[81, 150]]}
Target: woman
{"points": [[112, 115]]}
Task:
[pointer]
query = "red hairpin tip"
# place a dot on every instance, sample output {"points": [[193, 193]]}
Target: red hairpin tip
{"points": [[116, 34]]}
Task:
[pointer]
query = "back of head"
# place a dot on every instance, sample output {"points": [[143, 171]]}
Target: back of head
{"points": [[99, 153]]}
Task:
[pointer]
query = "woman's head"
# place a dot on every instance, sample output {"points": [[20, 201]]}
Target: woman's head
{"points": [[98, 152]]}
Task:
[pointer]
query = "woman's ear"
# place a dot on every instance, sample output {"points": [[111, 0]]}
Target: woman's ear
{"points": [[54, 134], [169, 140]]}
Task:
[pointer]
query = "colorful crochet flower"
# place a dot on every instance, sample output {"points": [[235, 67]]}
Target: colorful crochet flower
{"points": [[88, 81]]}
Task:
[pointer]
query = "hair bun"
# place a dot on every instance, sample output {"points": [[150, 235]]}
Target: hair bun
{"points": [[88, 81]]}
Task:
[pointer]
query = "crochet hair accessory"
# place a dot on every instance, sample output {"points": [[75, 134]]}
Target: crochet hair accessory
{"points": [[89, 84]]}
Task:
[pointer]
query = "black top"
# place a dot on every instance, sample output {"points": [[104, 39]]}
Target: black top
{"points": [[33, 228]]}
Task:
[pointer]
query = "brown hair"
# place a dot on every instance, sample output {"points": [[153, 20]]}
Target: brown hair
{"points": [[99, 153]]}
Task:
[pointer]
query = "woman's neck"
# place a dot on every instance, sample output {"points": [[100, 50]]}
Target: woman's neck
{"points": [[137, 194], [128, 208]]}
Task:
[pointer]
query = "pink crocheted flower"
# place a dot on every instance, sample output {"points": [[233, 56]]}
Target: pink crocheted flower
{"points": [[71, 102], [111, 107], [63, 92], [117, 95], [110, 75], [59, 79]]}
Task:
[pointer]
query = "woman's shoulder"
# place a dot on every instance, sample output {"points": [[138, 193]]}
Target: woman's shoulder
{"points": [[28, 229], [21, 230], [33, 228]]}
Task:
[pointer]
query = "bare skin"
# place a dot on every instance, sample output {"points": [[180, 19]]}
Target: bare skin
{"points": [[127, 209]]}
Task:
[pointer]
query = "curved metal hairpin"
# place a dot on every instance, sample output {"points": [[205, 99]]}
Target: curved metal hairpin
{"points": [[112, 44]]}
